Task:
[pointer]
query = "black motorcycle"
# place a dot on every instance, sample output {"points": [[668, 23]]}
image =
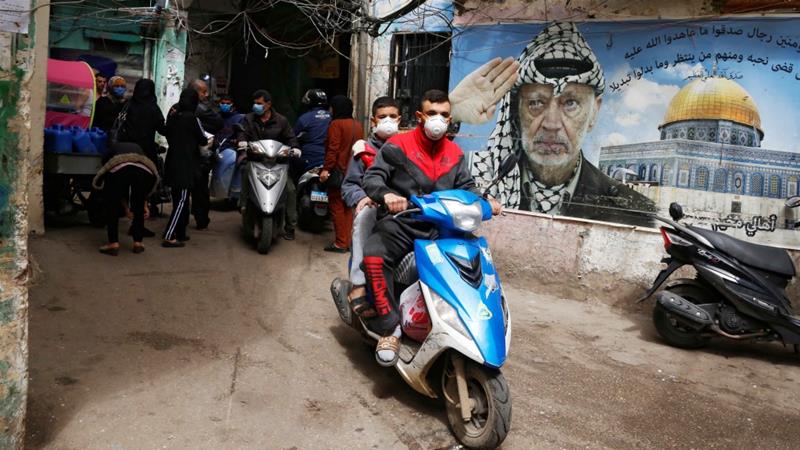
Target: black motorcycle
{"points": [[738, 293]]}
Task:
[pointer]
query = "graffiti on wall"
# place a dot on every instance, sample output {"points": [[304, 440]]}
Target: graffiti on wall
{"points": [[610, 121]]}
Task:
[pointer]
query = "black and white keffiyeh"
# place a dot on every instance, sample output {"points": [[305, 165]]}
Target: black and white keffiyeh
{"points": [[563, 56]]}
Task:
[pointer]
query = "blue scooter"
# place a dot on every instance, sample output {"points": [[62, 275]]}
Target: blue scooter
{"points": [[470, 329]]}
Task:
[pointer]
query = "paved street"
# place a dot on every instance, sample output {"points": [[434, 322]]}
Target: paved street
{"points": [[215, 346]]}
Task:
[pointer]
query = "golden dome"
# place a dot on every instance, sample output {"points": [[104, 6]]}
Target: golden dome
{"points": [[713, 98]]}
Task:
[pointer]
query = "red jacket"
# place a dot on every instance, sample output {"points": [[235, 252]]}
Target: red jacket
{"points": [[342, 134]]}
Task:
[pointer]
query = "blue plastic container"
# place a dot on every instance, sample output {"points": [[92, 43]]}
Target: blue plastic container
{"points": [[82, 141], [99, 139], [62, 139]]}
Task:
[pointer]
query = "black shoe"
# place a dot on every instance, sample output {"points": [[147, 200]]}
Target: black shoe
{"points": [[203, 224], [145, 232], [184, 239], [289, 235], [172, 244]]}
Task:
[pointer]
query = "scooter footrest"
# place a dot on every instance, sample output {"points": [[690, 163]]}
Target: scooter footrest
{"points": [[684, 308]]}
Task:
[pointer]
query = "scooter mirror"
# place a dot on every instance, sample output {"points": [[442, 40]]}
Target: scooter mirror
{"points": [[508, 164], [675, 211], [793, 201]]}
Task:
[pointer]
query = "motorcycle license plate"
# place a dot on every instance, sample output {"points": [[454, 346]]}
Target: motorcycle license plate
{"points": [[318, 196]]}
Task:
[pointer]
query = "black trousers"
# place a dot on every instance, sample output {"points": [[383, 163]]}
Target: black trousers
{"points": [[128, 183], [179, 219], [201, 201], [385, 248]]}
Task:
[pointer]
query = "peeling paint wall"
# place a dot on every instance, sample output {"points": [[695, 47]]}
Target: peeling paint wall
{"points": [[581, 259], [17, 59]]}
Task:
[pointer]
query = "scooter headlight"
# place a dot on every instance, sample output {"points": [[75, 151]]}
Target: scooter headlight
{"points": [[448, 314], [269, 177], [466, 218]]}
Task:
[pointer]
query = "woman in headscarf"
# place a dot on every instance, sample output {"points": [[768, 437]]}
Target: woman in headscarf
{"points": [[144, 118], [107, 108], [184, 137], [127, 177], [343, 132]]}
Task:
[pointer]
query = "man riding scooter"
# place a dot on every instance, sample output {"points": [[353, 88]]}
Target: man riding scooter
{"points": [[414, 163], [265, 123]]}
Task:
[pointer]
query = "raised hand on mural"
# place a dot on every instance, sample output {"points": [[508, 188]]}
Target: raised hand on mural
{"points": [[475, 98]]}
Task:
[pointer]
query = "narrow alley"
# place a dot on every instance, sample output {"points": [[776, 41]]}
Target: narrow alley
{"points": [[216, 346]]}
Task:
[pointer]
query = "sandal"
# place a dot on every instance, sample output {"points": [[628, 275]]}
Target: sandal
{"points": [[388, 343], [138, 247], [361, 305], [109, 250]]}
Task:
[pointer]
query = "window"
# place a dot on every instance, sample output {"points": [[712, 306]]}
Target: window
{"points": [[701, 178], [774, 186], [791, 186], [420, 61], [683, 175], [655, 174], [738, 183], [757, 184], [721, 180]]}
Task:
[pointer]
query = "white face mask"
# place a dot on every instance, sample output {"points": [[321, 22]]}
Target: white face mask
{"points": [[386, 128], [435, 127]]}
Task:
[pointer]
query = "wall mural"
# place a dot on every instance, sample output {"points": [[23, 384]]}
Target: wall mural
{"points": [[613, 121]]}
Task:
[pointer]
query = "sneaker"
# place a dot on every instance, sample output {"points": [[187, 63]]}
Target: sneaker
{"points": [[289, 235]]}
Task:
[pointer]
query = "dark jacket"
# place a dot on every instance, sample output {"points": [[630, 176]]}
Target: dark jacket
{"points": [[276, 128], [411, 164], [143, 118], [314, 126], [106, 111], [184, 136], [352, 192], [599, 197], [209, 119]]}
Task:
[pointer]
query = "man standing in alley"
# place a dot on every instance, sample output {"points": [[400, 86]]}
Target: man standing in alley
{"points": [[212, 123]]}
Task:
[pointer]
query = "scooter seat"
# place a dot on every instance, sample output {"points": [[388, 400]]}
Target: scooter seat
{"points": [[769, 259]]}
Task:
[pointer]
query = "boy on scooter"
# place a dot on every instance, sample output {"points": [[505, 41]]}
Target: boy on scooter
{"points": [[415, 163], [385, 122]]}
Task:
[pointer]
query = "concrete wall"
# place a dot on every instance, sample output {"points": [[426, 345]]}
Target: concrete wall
{"points": [[17, 69], [580, 259]]}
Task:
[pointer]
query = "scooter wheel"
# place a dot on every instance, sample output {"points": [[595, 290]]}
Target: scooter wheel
{"points": [[675, 334], [491, 405], [265, 238]]}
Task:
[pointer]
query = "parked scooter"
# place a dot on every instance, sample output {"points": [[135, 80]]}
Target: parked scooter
{"points": [[312, 202], [266, 173], [226, 176], [739, 292]]}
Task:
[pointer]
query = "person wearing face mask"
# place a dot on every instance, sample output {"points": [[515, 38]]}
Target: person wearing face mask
{"points": [[265, 123], [385, 123], [230, 116], [415, 163], [108, 107]]}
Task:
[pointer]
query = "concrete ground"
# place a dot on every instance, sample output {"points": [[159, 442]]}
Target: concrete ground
{"points": [[215, 346]]}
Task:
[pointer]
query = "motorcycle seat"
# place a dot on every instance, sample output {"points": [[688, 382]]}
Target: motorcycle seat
{"points": [[769, 259]]}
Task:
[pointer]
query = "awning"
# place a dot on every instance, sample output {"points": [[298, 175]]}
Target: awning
{"points": [[72, 73], [122, 37]]}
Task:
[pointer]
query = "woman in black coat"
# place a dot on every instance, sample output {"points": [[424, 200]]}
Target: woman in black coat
{"points": [[184, 137], [144, 119]]}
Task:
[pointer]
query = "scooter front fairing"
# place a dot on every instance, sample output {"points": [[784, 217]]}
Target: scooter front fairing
{"points": [[465, 292], [268, 182]]}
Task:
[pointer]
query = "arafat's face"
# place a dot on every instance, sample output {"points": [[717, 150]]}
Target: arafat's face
{"points": [[554, 127]]}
